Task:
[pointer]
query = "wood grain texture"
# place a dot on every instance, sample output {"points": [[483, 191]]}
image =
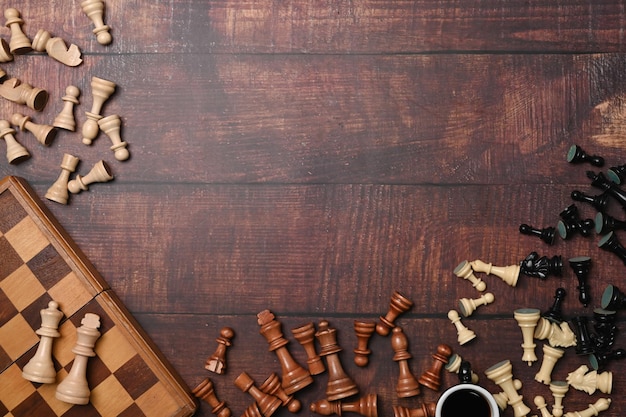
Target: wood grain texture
{"points": [[311, 158]]}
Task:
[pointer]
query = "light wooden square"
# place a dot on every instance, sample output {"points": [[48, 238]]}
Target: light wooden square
{"points": [[13, 387], [27, 239], [70, 293], [22, 287], [16, 337], [110, 398]]}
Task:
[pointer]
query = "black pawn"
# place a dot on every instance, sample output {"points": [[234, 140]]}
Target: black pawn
{"points": [[599, 361], [611, 243], [465, 372], [541, 267], [600, 181], [571, 223], [605, 224], [546, 234], [581, 266], [584, 343], [617, 174], [599, 202], [613, 298], [555, 313], [577, 155]]}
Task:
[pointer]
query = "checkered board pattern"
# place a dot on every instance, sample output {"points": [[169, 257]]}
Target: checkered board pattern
{"points": [[39, 263]]}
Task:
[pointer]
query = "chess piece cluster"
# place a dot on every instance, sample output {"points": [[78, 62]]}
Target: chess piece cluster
{"points": [[74, 388]]}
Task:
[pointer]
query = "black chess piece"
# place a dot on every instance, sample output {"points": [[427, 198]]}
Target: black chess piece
{"points": [[541, 267], [465, 372], [617, 174], [613, 298], [600, 181], [599, 361], [605, 329], [584, 342], [611, 243], [599, 202], [571, 223], [581, 266], [555, 312], [605, 223], [546, 234], [576, 155]]}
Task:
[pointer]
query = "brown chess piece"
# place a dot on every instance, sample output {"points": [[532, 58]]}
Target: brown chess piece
{"points": [[273, 386], [432, 377], [206, 392], [305, 335], [426, 410], [407, 385], [339, 385], [217, 361], [294, 377], [398, 305], [267, 403], [363, 330], [366, 406]]}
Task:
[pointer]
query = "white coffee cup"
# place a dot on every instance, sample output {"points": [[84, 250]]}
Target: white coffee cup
{"points": [[467, 400]]}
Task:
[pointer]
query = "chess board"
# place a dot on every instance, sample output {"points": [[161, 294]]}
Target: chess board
{"points": [[39, 263]]}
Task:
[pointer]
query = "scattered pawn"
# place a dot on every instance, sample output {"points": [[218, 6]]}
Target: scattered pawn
{"points": [[464, 270], [272, 385], [598, 180], [364, 331], [593, 410], [546, 234], [19, 43], [427, 409], [467, 306], [399, 304], [101, 91], [65, 119], [58, 192], [611, 243], [581, 266], [599, 202], [550, 357], [23, 93], [366, 406], [454, 365], [40, 368], [606, 223], [267, 403], [599, 360], [508, 274], [206, 392], [16, 153], [98, 174], [576, 155], [57, 49], [527, 319], [408, 385], [555, 312], [571, 223], [464, 335], [558, 390], [613, 299], [110, 125], [617, 174], [540, 402], [94, 9], [305, 335], [431, 378], [45, 134], [217, 361]]}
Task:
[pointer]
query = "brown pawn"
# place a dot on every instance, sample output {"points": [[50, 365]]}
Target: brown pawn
{"points": [[272, 386], [305, 335], [294, 377], [65, 119], [19, 43], [58, 191], [339, 385], [363, 330], [206, 392], [407, 385], [267, 403], [217, 361], [16, 153], [426, 410], [366, 406], [252, 411], [45, 134], [398, 305], [23, 93], [432, 377]]}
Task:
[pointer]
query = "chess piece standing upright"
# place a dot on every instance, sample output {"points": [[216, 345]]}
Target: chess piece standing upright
{"points": [[74, 389], [65, 119], [40, 368], [16, 153], [59, 190], [339, 384], [408, 385], [464, 335], [94, 9], [101, 91], [398, 305], [19, 43]]}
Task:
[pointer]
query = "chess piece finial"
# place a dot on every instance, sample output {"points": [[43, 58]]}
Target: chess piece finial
{"points": [[305, 335], [408, 385], [294, 376], [363, 331], [57, 49], [606, 223], [110, 125], [508, 274], [464, 270], [272, 385], [398, 304], [44, 134], [613, 298], [599, 202], [5, 51], [366, 406], [593, 410], [558, 390], [339, 384], [581, 266], [576, 155], [217, 361], [65, 119], [101, 90], [98, 174], [94, 9], [427, 409], [584, 344], [464, 335], [59, 190], [206, 392], [19, 43], [467, 306], [267, 403], [546, 234], [74, 389], [611, 243], [501, 374], [550, 357], [40, 368], [454, 365], [527, 319], [583, 380], [23, 93], [540, 402], [431, 378], [571, 223], [617, 174], [16, 153]]}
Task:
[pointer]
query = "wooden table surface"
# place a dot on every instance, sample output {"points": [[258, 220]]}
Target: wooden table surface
{"points": [[311, 158]]}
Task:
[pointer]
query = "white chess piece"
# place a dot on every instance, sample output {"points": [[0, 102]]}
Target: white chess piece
{"points": [[464, 334], [40, 367], [74, 389]]}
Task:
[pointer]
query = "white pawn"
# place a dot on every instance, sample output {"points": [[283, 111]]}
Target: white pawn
{"points": [[508, 274], [464, 270], [594, 409], [454, 365], [40, 368], [110, 125], [463, 333], [16, 153], [58, 191], [502, 399], [19, 43], [65, 119], [94, 9], [468, 306], [550, 357], [74, 389], [540, 402], [99, 173]]}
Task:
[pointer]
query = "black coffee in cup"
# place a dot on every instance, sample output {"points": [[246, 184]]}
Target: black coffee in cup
{"points": [[466, 403]]}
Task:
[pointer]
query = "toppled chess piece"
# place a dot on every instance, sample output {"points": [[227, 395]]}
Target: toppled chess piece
{"points": [[339, 384], [546, 234], [576, 155], [267, 403], [94, 9], [508, 274], [581, 266], [98, 174], [23, 93], [599, 202], [583, 380], [365, 406], [101, 91], [557, 334], [16, 153], [527, 319], [593, 410], [44, 134], [464, 270], [397, 305], [57, 49], [558, 390], [305, 335], [58, 191], [541, 267], [571, 223], [206, 392]]}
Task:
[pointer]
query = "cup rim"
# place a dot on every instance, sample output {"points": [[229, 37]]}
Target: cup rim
{"points": [[493, 405]]}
